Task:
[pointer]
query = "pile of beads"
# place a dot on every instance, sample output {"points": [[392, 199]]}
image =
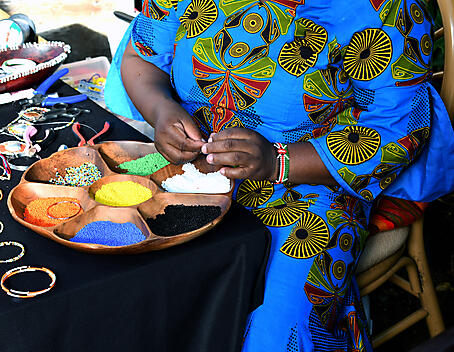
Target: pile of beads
{"points": [[80, 176], [179, 218], [47, 212], [109, 234], [146, 165], [122, 194]]}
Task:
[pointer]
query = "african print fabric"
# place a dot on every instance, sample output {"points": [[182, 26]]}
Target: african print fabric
{"points": [[350, 77], [389, 213]]}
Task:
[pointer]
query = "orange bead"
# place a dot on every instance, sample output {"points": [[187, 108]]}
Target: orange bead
{"points": [[47, 212]]}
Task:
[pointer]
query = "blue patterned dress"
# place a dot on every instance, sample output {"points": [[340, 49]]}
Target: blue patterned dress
{"points": [[350, 77]]}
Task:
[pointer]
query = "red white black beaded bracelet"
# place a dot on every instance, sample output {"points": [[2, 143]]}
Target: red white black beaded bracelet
{"points": [[283, 162]]}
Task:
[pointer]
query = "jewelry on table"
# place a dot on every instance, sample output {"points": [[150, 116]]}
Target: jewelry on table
{"points": [[18, 66], [17, 257], [17, 130], [23, 132], [24, 269], [12, 148], [6, 171], [30, 116], [33, 114], [64, 123], [13, 166], [16, 149], [5, 176]]}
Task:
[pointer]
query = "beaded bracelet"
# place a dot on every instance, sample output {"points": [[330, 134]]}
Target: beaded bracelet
{"points": [[13, 166], [27, 294], [33, 114], [64, 202], [284, 162], [13, 243], [6, 171]]}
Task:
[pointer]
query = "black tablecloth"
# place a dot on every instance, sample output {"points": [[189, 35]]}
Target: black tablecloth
{"points": [[191, 297]]}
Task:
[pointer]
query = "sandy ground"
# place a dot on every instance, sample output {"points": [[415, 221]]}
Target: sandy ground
{"points": [[94, 14]]}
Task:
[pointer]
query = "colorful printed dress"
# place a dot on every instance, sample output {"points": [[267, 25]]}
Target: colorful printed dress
{"points": [[350, 77]]}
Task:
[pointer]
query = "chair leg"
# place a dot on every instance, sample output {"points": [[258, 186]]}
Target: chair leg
{"points": [[428, 296]]}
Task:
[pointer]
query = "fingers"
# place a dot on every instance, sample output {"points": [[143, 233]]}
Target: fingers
{"points": [[201, 164], [226, 145], [176, 146], [235, 173], [241, 153], [229, 158], [175, 155], [232, 133], [178, 138], [185, 144], [192, 130]]}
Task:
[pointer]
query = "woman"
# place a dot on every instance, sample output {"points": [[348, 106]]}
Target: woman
{"points": [[315, 108]]}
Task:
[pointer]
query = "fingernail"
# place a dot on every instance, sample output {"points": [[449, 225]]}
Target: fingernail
{"points": [[203, 140], [210, 158], [212, 135], [210, 140], [222, 171], [204, 149]]}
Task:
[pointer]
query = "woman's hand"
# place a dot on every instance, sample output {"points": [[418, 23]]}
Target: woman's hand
{"points": [[177, 136], [242, 153]]}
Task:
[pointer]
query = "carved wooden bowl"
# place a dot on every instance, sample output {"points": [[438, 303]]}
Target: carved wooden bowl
{"points": [[107, 156], [47, 57]]}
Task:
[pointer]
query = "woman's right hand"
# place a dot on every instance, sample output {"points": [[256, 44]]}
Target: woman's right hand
{"points": [[177, 136]]}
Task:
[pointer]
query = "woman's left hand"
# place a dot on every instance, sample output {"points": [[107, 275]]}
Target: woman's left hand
{"points": [[242, 153]]}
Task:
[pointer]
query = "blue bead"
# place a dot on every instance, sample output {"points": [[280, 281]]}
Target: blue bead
{"points": [[109, 233]]}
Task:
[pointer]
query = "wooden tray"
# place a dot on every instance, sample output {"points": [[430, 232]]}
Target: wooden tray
{"points": [[107, 156]]}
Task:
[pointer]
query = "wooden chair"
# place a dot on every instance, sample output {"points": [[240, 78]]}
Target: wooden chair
{"points": [[405, 246]]}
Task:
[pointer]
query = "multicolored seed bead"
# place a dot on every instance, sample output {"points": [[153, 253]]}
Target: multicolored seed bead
{"points": [[80, 176]]}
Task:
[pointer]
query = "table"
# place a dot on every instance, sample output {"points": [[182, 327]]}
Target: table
{"points": [[192, 297]]}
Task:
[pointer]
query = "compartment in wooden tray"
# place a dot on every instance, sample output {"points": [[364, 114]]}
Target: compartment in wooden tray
{"points": [[25, 193], [101, 213], [151, 210], [172, 170], [46, 169], [116, 153], [114, 178]]}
